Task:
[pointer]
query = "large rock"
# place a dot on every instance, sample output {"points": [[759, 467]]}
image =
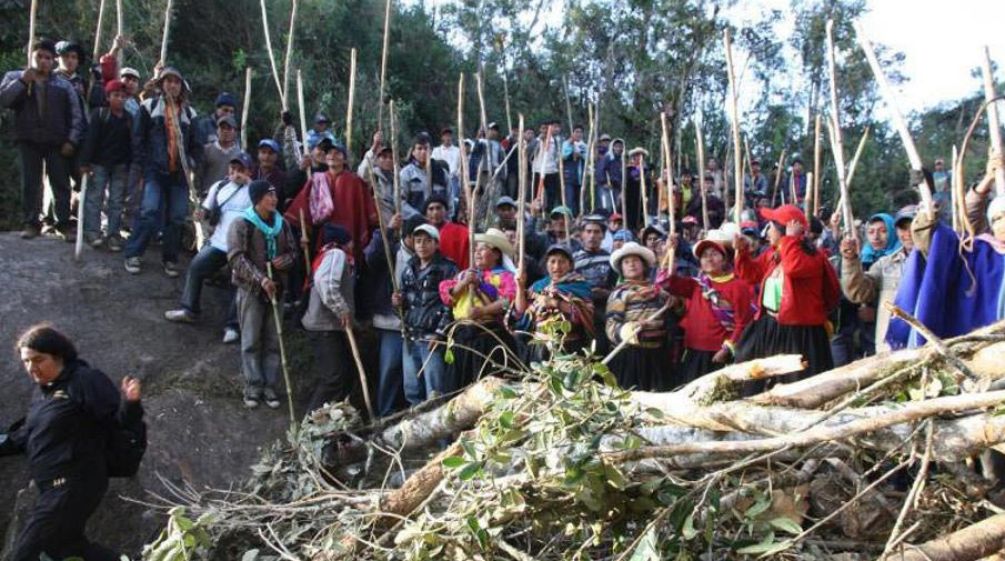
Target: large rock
{"points": [[199, 431]]}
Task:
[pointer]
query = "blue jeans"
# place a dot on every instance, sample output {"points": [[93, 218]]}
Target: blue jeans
{"points": [[204, 265], [572, 197], [389, 386], [417, 357], [114, 180], [167, 191]]}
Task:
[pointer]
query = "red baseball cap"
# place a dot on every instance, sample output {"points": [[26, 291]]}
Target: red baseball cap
{"points": [[784, 214], [705, 244], [114, 86]]}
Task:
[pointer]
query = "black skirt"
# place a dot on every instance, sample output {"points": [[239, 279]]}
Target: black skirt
{"points": [[479, 351], [696, 364], [765, 337], [637, 368]]}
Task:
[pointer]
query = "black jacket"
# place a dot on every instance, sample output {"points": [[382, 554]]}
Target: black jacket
{"points": [[150, 141], [68, 425], [425, 314], [49, 121], [109, 139]]}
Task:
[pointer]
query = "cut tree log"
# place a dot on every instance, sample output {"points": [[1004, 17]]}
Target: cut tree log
{"points": [[973, 542]]}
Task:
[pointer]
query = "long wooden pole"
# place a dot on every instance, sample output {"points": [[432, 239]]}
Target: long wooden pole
{"points": [[778, 178], [838, 145], [465, 184], [898, 120], [79, 242], [278, 318], [352, 98], [591, 150], [568, 103], [624, 182], [483, 164], [354, 346], [289, 49], [167, 32], [994, 126], [246, 109], [699, 138], [858, 154], [272, 57], [737, 160], [303, 112], [32, 16], [96, 52], [671, 208], [383, 63], [509, 119], [521, 204], [642, 187], [816, 166], [119, 23], [393, 118]]}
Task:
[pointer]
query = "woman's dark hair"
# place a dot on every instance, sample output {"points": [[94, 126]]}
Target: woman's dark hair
{"points": [[43, 338]]}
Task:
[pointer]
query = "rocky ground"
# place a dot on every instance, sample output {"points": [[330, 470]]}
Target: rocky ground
{"points": [[199, 431]]}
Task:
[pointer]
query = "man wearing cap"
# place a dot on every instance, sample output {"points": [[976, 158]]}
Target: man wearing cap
{"points": [[48, 127], [453, 240], [876, 285], [164, 136], [217, 154], [106, 156], [379, 161], [556, 231], [226, 202], [266, 166], [318, 146], [423, 177], [70, 55], [208, 127], [321, 123], [755, 184]]}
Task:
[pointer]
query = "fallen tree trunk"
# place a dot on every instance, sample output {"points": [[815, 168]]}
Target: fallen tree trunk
{"points": [[973, 542]]}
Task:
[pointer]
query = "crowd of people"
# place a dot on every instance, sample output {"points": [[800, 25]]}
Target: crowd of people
{"points": [[616, 257]]}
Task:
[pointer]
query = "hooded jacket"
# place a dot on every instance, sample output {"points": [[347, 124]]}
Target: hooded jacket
{"points": [[150, 140]]}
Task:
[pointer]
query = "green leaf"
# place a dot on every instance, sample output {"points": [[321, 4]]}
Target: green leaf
{"points": [[448, 356], [762, 504], [787, 525], [506, 420], [766, 547], [688, 531], [453, 462], [506, 392], [470, 471]]}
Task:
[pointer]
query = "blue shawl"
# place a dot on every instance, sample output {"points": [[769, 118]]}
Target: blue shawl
{"points": [[271, 233], [871, 255]]}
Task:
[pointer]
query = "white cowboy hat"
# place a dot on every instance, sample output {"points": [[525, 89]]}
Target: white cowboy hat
{"points": [[632, 248], [494, 237]]}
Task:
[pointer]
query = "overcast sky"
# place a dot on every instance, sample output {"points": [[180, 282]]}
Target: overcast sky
{"points": [[943, 41]]}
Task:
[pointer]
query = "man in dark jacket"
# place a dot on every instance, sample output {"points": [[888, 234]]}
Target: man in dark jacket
{"points": [[48, 127], [65, 436], [165, 147]]}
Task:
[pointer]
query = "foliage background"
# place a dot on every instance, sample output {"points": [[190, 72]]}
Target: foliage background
{"points": [[632, 57]]}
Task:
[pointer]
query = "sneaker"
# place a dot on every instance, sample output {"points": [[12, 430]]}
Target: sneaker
{"points": [[271, 399], [115, 244], [230, 335], [171, 269], [94, 240], [30, 231], [250, 402], [68, 234], [181, 315], [133, 265]]}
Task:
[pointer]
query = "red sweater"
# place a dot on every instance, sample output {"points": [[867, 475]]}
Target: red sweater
{"points": [[810, 288], [702, 330], [353, 208], [454, 244]]}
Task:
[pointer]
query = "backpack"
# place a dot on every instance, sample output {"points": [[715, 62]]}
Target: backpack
{"points": [[216, 210], [125, 448]]}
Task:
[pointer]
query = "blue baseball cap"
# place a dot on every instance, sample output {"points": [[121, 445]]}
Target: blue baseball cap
{"points": [[243, 159], [270, 144]]}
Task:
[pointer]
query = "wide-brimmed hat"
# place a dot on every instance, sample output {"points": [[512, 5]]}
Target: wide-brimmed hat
{"points": [[638, 150], [633, 248], [495, 237]]}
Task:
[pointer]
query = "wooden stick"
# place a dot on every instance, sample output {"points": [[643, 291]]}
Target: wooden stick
{"points": [[272, 57], [278, 318], [737, 163], [167, 31], [954, 199], [465, 184], [671, 203], [778, 177], [699, 138], [568, 103], [816, 166], [483, 163], [383, 63], [994, 126], [118, 21], [393, 118], [303, 112], [359, 368], [305, 243], [289, 50], [591, 149], [509, 119], [858, 154], [96, 52], [32, 16], [838, 145], [624, 180], [642, 187], [521, 202], [898, 119], [246, 109], [352, 97]]}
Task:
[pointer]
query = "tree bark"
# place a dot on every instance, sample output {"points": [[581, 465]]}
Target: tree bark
{"points": [[982, 539]]}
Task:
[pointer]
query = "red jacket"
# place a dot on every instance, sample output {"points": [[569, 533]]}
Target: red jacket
{"points": [[454, 243], [702, 330], [810, 289], [353, 208]]}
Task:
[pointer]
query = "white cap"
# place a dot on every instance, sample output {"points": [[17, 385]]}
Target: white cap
{"points": [[429, 230]]}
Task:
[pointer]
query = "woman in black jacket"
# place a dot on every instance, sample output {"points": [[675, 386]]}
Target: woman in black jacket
{"points": [[66, 437]]}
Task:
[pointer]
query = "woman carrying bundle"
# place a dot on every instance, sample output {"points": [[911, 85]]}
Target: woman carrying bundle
{"points": [[562, 296], [717, 308], [799, 288], [641, 364], [480, 298]]}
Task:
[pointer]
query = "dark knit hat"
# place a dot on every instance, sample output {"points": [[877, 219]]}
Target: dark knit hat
{"points": [[258, 189], [333, 233], [411, 224], [435, 199]]}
